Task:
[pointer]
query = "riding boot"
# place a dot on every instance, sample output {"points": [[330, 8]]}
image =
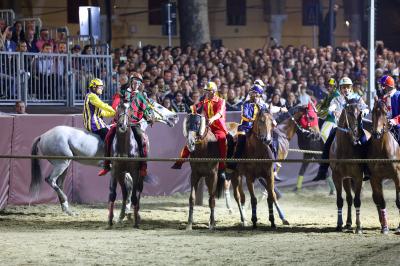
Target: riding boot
{"points": [[323, 167], [107, 151], [138, 134]]}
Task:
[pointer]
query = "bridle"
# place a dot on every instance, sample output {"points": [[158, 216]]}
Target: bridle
{"points": [[386, 127]]}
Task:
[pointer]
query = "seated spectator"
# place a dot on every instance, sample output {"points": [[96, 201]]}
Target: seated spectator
{"points": [[167, 104], [173, 88], [178, 105], [76, 49], [291, 101], [22, 47], [319, 90], [232, 103]]}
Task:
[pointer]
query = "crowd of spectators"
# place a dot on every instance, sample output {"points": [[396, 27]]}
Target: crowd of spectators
{"points": [[175, 76]]}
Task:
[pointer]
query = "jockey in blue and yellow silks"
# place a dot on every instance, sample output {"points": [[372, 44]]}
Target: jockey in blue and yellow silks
{"points": [[95, 109], [250, 109]]}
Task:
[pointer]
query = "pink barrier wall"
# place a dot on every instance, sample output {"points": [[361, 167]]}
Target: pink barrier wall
{"points": [[6, 130], [82, 185]]}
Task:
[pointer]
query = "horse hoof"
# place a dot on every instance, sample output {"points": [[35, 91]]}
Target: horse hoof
{"points": [[254, 226], [230, 211], [331, 193], [129, 217], [189, 227], [273, 226], [285, 222], [136, 226], [397, 232], [385, 230], [359, 231], [339, 228], [243, 224], [109, 227]]}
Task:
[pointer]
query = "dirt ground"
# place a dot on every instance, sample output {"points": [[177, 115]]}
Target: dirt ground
{"points": [[42, 235]]}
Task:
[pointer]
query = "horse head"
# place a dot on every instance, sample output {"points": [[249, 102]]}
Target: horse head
{"points": [[263, 126], [123, 116], [351, 119], [379, 119], [162, 114], [194, 127]]}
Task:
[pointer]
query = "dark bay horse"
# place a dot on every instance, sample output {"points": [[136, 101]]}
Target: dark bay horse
{"points": [[348, 176], [202, 143], [257, 147], [383, 146], [125, 173]]}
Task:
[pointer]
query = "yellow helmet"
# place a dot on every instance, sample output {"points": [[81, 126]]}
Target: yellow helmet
{"points": [[95, 83], [211, 86], [332, 82]]}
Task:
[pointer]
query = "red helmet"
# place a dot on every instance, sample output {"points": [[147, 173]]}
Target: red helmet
{"points": [[387, 81]]}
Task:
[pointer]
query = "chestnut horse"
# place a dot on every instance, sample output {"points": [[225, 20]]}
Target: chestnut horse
{"points": [[383, 146], [202, 143], [257, 146], [348, 176]]}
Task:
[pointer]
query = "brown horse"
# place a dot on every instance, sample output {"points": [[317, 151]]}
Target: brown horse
{"points": [[383, 146], [202, 143], [348, 176], [257, 146], [125, 173]]}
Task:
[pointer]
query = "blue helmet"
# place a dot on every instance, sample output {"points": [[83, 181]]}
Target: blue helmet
{"points": [[257, 89]]}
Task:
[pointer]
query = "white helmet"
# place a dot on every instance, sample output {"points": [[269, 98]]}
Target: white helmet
{"points": [[345, 81], [259, 82]]}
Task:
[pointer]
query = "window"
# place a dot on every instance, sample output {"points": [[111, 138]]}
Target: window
{"points": [[236, 12]]}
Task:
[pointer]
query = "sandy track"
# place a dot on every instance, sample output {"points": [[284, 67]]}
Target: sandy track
{"points": [[43, 235]]}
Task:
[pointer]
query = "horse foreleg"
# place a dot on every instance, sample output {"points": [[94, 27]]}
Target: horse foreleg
{"points": [[337, 180], [211, 186], [358, 183], [227, 185], [124, 199], [192, 198], [250, 186], [377, 196], [300, 176], [349, 200], [52, 180], [137, 208], [111, 200]]}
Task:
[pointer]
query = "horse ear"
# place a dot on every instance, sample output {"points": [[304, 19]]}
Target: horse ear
{"points": [[185, 133]]}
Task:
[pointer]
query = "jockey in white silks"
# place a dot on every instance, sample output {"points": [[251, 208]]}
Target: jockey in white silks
{"points": [[335, 109]]}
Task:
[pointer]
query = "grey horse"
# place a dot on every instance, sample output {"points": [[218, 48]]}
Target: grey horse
{"points": [[70, 141]]}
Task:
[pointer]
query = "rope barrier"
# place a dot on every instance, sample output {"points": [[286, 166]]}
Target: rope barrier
{"points": [[305, 151], [200, 160]]}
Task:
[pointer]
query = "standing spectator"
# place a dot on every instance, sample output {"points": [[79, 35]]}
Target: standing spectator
{"points": [[9, 45], [44, 38], [304, 98], [22, 47], [3, 25], [18, 33], [31, 42], [20, 107], [319, 90], [291, 101], [45, 86]]}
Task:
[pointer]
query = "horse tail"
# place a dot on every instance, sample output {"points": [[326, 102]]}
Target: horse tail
{"points": [[220, 187], [36, 172]]}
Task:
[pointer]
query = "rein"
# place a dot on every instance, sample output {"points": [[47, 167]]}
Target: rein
{"points": [[302, 130]]}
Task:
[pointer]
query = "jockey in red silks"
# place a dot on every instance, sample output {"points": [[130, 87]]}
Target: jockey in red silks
{"points": [[140, 109], [214, 110]]}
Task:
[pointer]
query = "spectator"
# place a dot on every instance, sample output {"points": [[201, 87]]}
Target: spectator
{"points": [[3, 25], [291, 101], [167, 103], [22, 47], [18, 33], [178, 105], [304, 98], [9, 45], [44, 38], [31, 42], [20, 107], [232, 103]]}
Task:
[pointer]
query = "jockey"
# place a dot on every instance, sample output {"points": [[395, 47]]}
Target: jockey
{"points": [[335, 109], [391, 97], [213, 108], [323, 112], [250, 109], [140, 109], [95, 109]]}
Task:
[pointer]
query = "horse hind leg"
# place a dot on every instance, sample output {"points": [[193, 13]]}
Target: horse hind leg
{"points": [[237, 187], [377, 196], [339, 200], [357, 203], [228, 196], [111, 200], [194, 180], [250, 187], [60, 168]]}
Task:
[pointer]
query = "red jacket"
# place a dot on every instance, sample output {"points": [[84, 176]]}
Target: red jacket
{"points": [[211, 108]]}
